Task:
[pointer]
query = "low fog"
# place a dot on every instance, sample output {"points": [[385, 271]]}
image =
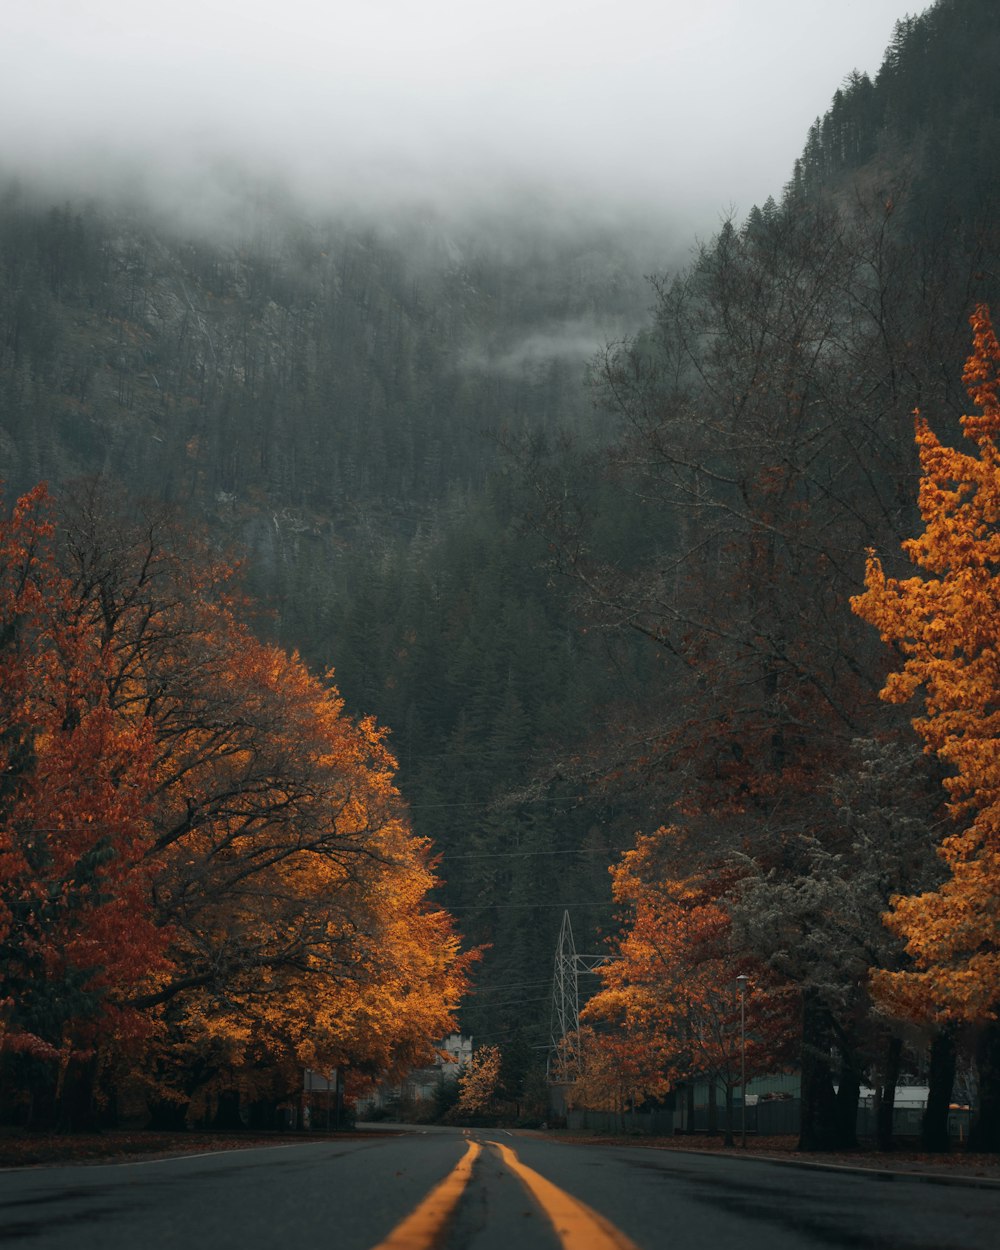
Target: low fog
{"points": [[673, 110]]}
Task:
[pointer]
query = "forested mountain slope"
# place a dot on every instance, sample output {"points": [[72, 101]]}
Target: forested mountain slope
{"points": [[321, 367]]}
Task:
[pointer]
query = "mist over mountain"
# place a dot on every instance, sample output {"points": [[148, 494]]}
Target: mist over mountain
{"points": [[664, 109]]}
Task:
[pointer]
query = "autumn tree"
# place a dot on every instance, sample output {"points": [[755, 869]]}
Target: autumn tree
{"points": [[672, 990], [285, 868], [253, 828], [611, 1067], [943, 623], [479, 1083]]}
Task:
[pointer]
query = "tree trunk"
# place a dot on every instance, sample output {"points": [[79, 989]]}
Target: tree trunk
{"points": [[934, 1125], [729, 1113], [848, 1092], [713, 1108], [884, 1136], [41, 1111], [818, 1130], [77, 1112], [984, 1133], [227, 1113], [263, 1113]]}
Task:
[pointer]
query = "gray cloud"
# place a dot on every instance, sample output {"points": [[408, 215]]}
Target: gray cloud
{"points": [[575, 341], [683, 108]]}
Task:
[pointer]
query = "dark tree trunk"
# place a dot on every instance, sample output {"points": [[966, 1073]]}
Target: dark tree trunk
{"points": [[729, 1113], [984, 1134], [167, 1116], [818, 1130], [713, 1108], [941, 1078], [884, 1136], [42, 1108], [848, 1092], [263, 1113], [78, 1111], [227, 1113], [110, 1106]]}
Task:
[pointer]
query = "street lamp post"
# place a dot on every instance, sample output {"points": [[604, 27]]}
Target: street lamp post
{"points": [[741, 981]]}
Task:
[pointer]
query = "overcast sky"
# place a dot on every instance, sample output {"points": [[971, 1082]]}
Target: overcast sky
{"points": [[694, 106]]}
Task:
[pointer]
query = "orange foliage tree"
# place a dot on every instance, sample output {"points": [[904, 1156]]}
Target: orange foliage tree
{"points": [[479, 1083], [614, 1065], [283, 894], [672, 988], [945, 623]]}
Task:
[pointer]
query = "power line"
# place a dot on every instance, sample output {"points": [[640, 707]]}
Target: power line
{"points": [[513, 985], [514, 1002], [611, 850], [499, 805], [513, 1031], [520, 906]]}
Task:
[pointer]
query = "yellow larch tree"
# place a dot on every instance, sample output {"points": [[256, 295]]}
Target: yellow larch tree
{"points": [[945, 622]]}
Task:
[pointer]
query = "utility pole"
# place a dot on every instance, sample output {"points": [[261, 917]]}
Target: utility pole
{"points": [[741, 981]]}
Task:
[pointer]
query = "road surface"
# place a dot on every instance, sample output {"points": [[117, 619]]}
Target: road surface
{"points": [[453, 1189]]}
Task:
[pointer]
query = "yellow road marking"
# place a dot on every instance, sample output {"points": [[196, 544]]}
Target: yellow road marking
{"points": [[425, 1223], [576, 1225]]}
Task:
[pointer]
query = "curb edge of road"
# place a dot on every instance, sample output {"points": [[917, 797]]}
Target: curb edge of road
{"points": [[817, 1165]]}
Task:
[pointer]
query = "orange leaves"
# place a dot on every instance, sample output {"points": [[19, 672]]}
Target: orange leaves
{"points": [[610, 1071], [188, 817], [671, 992], [946, 624], [479, 1083]]}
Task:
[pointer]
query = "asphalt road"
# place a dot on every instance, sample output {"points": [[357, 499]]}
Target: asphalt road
{"points": [[484, 1190]]}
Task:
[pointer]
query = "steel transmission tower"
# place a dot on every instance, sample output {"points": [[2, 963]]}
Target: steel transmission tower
{"points": [[566, 992]]}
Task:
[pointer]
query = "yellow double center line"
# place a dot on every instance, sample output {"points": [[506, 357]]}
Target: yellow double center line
{"points": [[577, 1226], [423, 1226]]}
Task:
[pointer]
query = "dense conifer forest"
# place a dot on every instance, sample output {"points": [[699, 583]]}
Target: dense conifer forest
{"points": [[585, 545]]}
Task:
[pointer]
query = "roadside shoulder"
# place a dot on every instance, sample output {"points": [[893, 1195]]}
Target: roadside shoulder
{"points": [[971, 1171]]}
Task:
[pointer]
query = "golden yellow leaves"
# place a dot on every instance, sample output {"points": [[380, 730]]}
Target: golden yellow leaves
{"points": [[947, 626]]}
